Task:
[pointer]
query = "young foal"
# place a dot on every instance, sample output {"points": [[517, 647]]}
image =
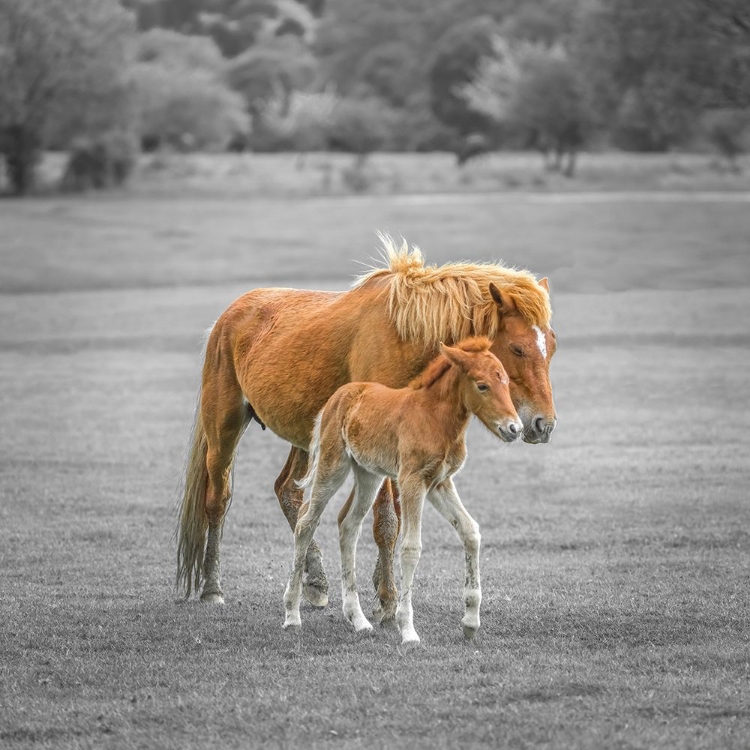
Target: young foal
{"points": [[417, 436]]}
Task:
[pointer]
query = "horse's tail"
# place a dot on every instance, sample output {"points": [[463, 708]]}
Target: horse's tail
{"points": [[193, 523], [313, 452]]}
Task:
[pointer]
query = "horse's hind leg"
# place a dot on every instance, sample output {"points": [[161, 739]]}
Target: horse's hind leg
{"points": [[350, 525], [290, 495], [386, 525], [224, 416]]}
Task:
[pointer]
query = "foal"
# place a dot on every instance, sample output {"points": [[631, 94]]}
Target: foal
{"points": [[416, 435]]}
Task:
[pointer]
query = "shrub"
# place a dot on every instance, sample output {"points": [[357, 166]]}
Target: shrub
{"points": [[360, 126], [100, 162], [186, 108], [728, 131]]}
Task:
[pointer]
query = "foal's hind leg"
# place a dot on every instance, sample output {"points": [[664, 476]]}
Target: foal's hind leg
{"points": [[386, 524], [447, 502], [350, 525], [332, 471], [224, 414], [315, 583], [413, 494]]}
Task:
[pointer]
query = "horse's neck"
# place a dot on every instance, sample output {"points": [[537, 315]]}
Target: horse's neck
{"points": [[442, 401]]}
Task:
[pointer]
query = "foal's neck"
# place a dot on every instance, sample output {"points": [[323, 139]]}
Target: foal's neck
{"points": [[442, 398]]}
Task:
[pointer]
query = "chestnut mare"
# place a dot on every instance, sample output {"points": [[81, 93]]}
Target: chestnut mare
{"points": [[417, 436], [277, 355]]}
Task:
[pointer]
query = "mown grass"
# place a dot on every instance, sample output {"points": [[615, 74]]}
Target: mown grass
{"points": [[614, 560]]}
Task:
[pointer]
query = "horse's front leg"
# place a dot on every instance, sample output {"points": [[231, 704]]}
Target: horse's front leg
{"points": [[386, 524], [412, 499], [447, 502], [290, 495]]}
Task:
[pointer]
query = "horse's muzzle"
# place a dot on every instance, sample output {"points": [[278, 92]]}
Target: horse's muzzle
{"points": [[540, 430]]}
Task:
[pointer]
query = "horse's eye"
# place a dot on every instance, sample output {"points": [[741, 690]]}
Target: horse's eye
{"points": [[516, 350], [483, 387]]}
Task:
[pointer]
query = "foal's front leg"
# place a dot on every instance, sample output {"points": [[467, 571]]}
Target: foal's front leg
{"points": [[412, 504], [447, 502]]}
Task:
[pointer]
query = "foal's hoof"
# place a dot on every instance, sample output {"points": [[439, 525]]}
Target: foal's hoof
{"points": [[212, 597], [317, 597], [469, 632], [364, 630], [292, 627]]}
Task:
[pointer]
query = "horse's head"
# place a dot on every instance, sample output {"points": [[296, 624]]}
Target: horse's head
{"points": [[525, 351], [485, 387]]}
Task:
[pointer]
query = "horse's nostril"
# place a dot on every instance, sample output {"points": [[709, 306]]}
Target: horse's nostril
{"points": [[513, 428], [539, 424]]}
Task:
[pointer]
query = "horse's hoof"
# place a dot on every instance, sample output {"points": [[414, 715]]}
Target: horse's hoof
{"points": [[384, 612], [410, 640], [388, 622], [212, 597], [292, 627], [317, 597]]}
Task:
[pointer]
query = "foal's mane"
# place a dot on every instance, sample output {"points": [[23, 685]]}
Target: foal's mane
{"points": [[441, 364], [448, 303]]}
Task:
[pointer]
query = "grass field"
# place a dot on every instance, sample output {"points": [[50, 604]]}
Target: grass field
{"points": [[615, 560]]}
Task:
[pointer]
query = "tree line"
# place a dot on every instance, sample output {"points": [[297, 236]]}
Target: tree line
{"points": [[105, 78]]}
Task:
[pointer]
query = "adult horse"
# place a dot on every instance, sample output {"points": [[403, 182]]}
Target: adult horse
{"points": [[277, 355]]}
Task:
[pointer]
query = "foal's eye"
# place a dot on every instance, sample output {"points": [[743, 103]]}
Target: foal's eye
{"points": [[515, 349], [483, 387]]}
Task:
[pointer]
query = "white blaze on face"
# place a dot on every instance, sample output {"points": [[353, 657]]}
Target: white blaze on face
{"points": [[541, 340]]}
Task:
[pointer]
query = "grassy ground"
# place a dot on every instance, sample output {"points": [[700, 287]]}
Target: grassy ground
{"points": [[614, 560], [388, 174]]}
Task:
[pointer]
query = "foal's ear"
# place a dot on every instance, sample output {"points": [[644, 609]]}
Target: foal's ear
{"points": [[455, 356], [544, 283], [504, 304]]}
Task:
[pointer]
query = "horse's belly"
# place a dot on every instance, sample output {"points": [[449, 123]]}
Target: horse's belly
{"points": [[287, 391]]}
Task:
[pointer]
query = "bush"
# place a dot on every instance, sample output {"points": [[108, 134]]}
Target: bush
{"points": [[728, 131], [187, 109], [100, 162], [360, 126], [298, 122]]}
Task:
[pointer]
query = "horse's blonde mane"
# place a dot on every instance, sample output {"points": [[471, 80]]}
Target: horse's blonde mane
{"points": [[452, 302]]}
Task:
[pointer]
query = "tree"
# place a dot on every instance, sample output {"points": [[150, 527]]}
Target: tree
{"points": [[187, 109], [235, 25], [299, 123], [360, 127], [271, 70], [182, 94], [457, 56], [535, 94], [652, 67], [63, 70]]}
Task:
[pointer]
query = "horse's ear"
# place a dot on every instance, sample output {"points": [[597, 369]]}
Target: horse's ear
{"points": [[544, 283], [503, 304], [455, 356]]}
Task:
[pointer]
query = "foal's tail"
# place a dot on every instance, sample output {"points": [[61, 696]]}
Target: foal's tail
{"points": [[193, 524], [313, 453]]}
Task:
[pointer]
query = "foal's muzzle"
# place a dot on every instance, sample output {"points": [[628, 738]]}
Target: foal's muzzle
{"points": [[510, 430]]}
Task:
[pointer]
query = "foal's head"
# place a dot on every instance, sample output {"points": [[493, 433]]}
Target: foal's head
{"points": [[484, 386]]}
